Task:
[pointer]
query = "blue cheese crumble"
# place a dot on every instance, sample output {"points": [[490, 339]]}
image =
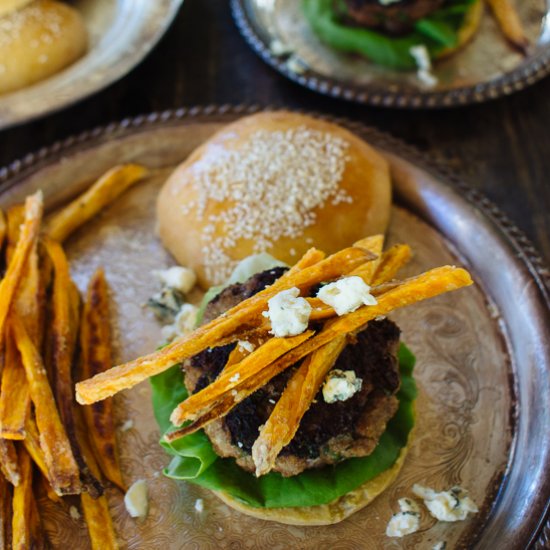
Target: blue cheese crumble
{"points": [[451, 505], [406, 521], [346, 295], [340, 385], [288, 313]]}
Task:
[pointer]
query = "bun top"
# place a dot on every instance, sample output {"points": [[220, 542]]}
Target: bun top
{"points": [[275, 182], [11, 5]]}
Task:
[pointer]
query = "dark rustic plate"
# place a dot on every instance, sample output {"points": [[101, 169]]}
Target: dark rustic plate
{"points": [[485, 69], [483, 353]]}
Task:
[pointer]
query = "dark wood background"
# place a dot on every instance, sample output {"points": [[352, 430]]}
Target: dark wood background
{"points": [[502, 147]]}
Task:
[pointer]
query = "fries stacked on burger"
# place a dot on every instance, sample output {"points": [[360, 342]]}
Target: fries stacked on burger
{"points": [[293, 400]]}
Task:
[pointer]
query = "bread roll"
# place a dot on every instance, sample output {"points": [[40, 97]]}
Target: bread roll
{"points": [[11, 5], [37, 41], [277, 182]]}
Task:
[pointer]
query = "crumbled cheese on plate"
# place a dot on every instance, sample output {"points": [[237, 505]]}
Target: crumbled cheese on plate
{"points": [[451, 505], [406, 521], [178, 277], [136, 499]]}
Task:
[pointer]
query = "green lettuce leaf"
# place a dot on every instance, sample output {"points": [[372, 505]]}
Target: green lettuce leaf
{"points": [[195, 461], [437, 32]]}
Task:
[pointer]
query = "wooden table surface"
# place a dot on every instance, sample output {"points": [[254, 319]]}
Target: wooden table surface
{"points": [[502, 147]]}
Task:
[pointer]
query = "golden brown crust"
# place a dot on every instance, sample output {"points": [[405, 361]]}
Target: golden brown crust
{"points": [[7, 6], [37, 41], [326, 514], [365, 178]]}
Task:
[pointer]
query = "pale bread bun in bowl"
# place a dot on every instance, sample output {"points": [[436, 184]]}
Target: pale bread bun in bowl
{"points": [[38, 41], [276, 182], [11, 5]]}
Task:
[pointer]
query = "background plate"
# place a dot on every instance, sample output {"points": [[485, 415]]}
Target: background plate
{"points": [[487, 68], [483, 353], [122, 32]]}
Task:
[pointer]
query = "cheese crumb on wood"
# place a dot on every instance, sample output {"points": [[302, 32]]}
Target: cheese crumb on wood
{"points": [[346, 295], [136, 499], [288, 313]]}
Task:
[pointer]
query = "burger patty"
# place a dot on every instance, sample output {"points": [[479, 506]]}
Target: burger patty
{"points": [[396, 17], [328, 433]]}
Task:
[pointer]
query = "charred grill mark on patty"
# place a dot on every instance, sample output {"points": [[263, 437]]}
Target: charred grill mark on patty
{"points": [[327, 433]]}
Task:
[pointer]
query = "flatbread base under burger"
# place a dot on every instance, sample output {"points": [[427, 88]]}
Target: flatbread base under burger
{"points": [[326, 514]]}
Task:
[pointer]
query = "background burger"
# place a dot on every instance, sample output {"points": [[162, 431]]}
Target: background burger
{"points": [[384, 31]]}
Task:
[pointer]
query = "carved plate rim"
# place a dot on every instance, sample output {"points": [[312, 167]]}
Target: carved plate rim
{"points": [[524, 75]]}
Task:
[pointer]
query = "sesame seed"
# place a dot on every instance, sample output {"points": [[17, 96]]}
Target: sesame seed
{"points": [[12, 24], [270, 187]]}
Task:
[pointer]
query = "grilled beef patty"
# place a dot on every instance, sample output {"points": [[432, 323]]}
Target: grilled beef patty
{"points": [[394, 18], [328, 433]]}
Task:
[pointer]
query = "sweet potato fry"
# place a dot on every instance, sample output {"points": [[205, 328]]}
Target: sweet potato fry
{"points": [[374, 244], [104, 191], [295, 400], [432, 283], [243, 389], [96, 357], [38, 537], [199, 403], [25, 244], [99, 522], [3, 228], [64, 474], [29, 302], [128, 375], [415, 289], [62, 340], [32, 444], [8, 462], [21, 504], [14, 220], [5, 514], [391, 262], [15, 400], [510, 24], [96, 511]]}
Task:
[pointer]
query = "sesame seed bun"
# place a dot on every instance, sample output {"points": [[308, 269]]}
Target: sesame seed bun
{"points": [[326, 514], [11, 5], [276, 182], [37, 41]]}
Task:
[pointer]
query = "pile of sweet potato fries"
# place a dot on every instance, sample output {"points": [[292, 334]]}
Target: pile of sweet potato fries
{"points": [[319, 346], [48, 338]]}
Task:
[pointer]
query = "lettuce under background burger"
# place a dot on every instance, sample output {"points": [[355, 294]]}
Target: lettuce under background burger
{"points": [[385, 31], [315, 495]]}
